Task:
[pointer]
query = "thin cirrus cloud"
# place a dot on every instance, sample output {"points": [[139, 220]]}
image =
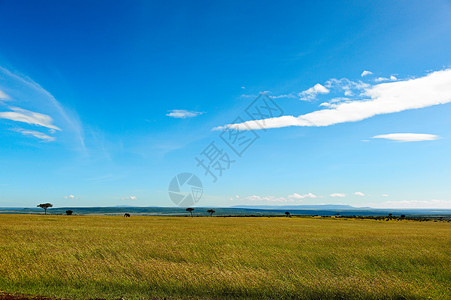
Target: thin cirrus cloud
{"points": [[284, 96], [25, 89], [3, 96], [42, 136], [26, 116], [384, 98], [366, 73], [407, 137], [360, 194], [347, 87], [183, 114]]}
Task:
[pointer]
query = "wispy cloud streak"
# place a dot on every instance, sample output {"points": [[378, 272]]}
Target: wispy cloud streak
{"points": [[37, 134], [3, 96], [407, 137], [22, 115], [71, 122], [182, 114], [383, 98]]}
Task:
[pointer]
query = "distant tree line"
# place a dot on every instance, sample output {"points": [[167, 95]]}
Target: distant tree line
{"points": [[388, 217], [210, 211], [396, 218]]}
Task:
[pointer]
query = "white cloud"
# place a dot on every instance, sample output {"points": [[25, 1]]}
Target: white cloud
{"points": [[337, 195], [365, 73], [22, 115], [339, 100], [311, 93], [335, 101], [431, 204], [359, 194], [380, 79], [72, 197], [433, 89], [36, 134], [297, 196], [385, 195], [349, 93], [182, 114], [407, 137]]}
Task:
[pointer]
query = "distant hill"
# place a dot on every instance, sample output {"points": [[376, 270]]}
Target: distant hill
{"points": [[302, 207]]}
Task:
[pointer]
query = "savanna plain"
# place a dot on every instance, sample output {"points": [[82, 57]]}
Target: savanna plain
{"points": [[112, 257]]}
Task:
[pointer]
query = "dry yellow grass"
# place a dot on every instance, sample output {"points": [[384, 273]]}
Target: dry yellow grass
{"points": [[86, 257]]}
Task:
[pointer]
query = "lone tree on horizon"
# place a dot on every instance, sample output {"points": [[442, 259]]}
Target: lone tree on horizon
{"points": [[190, 210], [69, 212], [45, 206], [211, 212], [287, 213]]}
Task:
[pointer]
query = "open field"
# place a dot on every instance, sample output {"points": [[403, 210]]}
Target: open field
{"points": [[110, 257]]}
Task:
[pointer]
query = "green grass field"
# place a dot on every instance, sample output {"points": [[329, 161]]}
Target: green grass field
{"points": [[86, 257]]}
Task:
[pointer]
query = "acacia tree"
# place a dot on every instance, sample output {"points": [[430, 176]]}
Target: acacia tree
{"points": [[190, 210], [287, 213], [69, 212], [45, 206], [211, 212]]}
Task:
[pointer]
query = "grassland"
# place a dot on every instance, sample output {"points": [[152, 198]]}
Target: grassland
{"points": [[85, 257]]}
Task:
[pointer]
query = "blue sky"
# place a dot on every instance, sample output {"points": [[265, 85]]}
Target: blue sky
{"points": [[102, 103]]}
